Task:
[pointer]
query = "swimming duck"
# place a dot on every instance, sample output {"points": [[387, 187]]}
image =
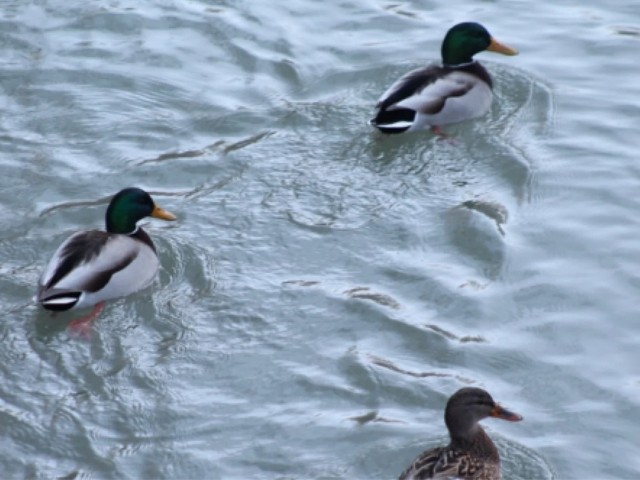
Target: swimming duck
{"points": [[459, 89], [93, 266], [471, 454]]}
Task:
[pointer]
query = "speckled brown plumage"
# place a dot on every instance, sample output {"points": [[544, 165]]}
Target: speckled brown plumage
{"points": [[471, 454]]}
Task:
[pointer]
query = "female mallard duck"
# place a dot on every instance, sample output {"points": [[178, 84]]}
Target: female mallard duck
{"points": [[471, 454], [92, 266], [435, 95]]}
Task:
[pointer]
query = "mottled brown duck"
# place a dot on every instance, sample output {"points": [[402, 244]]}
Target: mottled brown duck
{"points": [[471, 455]]}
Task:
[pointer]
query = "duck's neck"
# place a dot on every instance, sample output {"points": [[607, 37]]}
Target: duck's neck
{"points": [[140, 234], [473, 68], [456, 53], [458, 65], [121, 224], [477, 444]]}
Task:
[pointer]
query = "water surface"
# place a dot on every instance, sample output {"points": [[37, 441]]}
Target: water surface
{"points": [[325, 288]]}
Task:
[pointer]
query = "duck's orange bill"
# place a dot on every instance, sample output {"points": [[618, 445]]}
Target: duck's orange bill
{"points": [[505, 414], [162, 213], [496, 46]]}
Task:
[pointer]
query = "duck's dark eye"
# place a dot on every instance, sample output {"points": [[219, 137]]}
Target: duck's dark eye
{"points": [[483, 400]]}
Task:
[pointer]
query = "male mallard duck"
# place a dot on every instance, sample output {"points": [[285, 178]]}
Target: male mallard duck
{"points": [[471, 453], [435, 95], [92, 266]]}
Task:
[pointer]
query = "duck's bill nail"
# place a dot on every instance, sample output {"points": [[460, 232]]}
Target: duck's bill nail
{"points": [[162, 213], [496, 46], [505, 414]]}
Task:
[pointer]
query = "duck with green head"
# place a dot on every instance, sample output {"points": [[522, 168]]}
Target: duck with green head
{"points": [[459, 89], [93, 266]]}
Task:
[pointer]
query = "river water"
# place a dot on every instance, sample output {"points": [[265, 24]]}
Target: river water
{"points": [[325, 288]]}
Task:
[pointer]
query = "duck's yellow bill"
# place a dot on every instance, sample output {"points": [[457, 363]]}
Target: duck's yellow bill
{"points": [[162, 214], [496, 46]]}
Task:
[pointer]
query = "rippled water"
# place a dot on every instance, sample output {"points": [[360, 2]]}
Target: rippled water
{"points": [[325, 288]]}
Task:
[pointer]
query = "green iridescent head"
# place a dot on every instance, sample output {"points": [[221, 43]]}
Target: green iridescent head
{"points": [[129, 206], [464, 40]]}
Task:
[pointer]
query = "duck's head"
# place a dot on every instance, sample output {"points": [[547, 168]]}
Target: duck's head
{"points": [[467, 407], [130, 205], [464, 40]]}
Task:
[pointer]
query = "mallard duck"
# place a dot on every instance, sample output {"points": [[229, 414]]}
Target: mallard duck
{"points": [[93, 266], [435, 95], [471, 454]]}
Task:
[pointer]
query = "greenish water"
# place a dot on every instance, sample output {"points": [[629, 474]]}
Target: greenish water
{"points": [[325, 288]]}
